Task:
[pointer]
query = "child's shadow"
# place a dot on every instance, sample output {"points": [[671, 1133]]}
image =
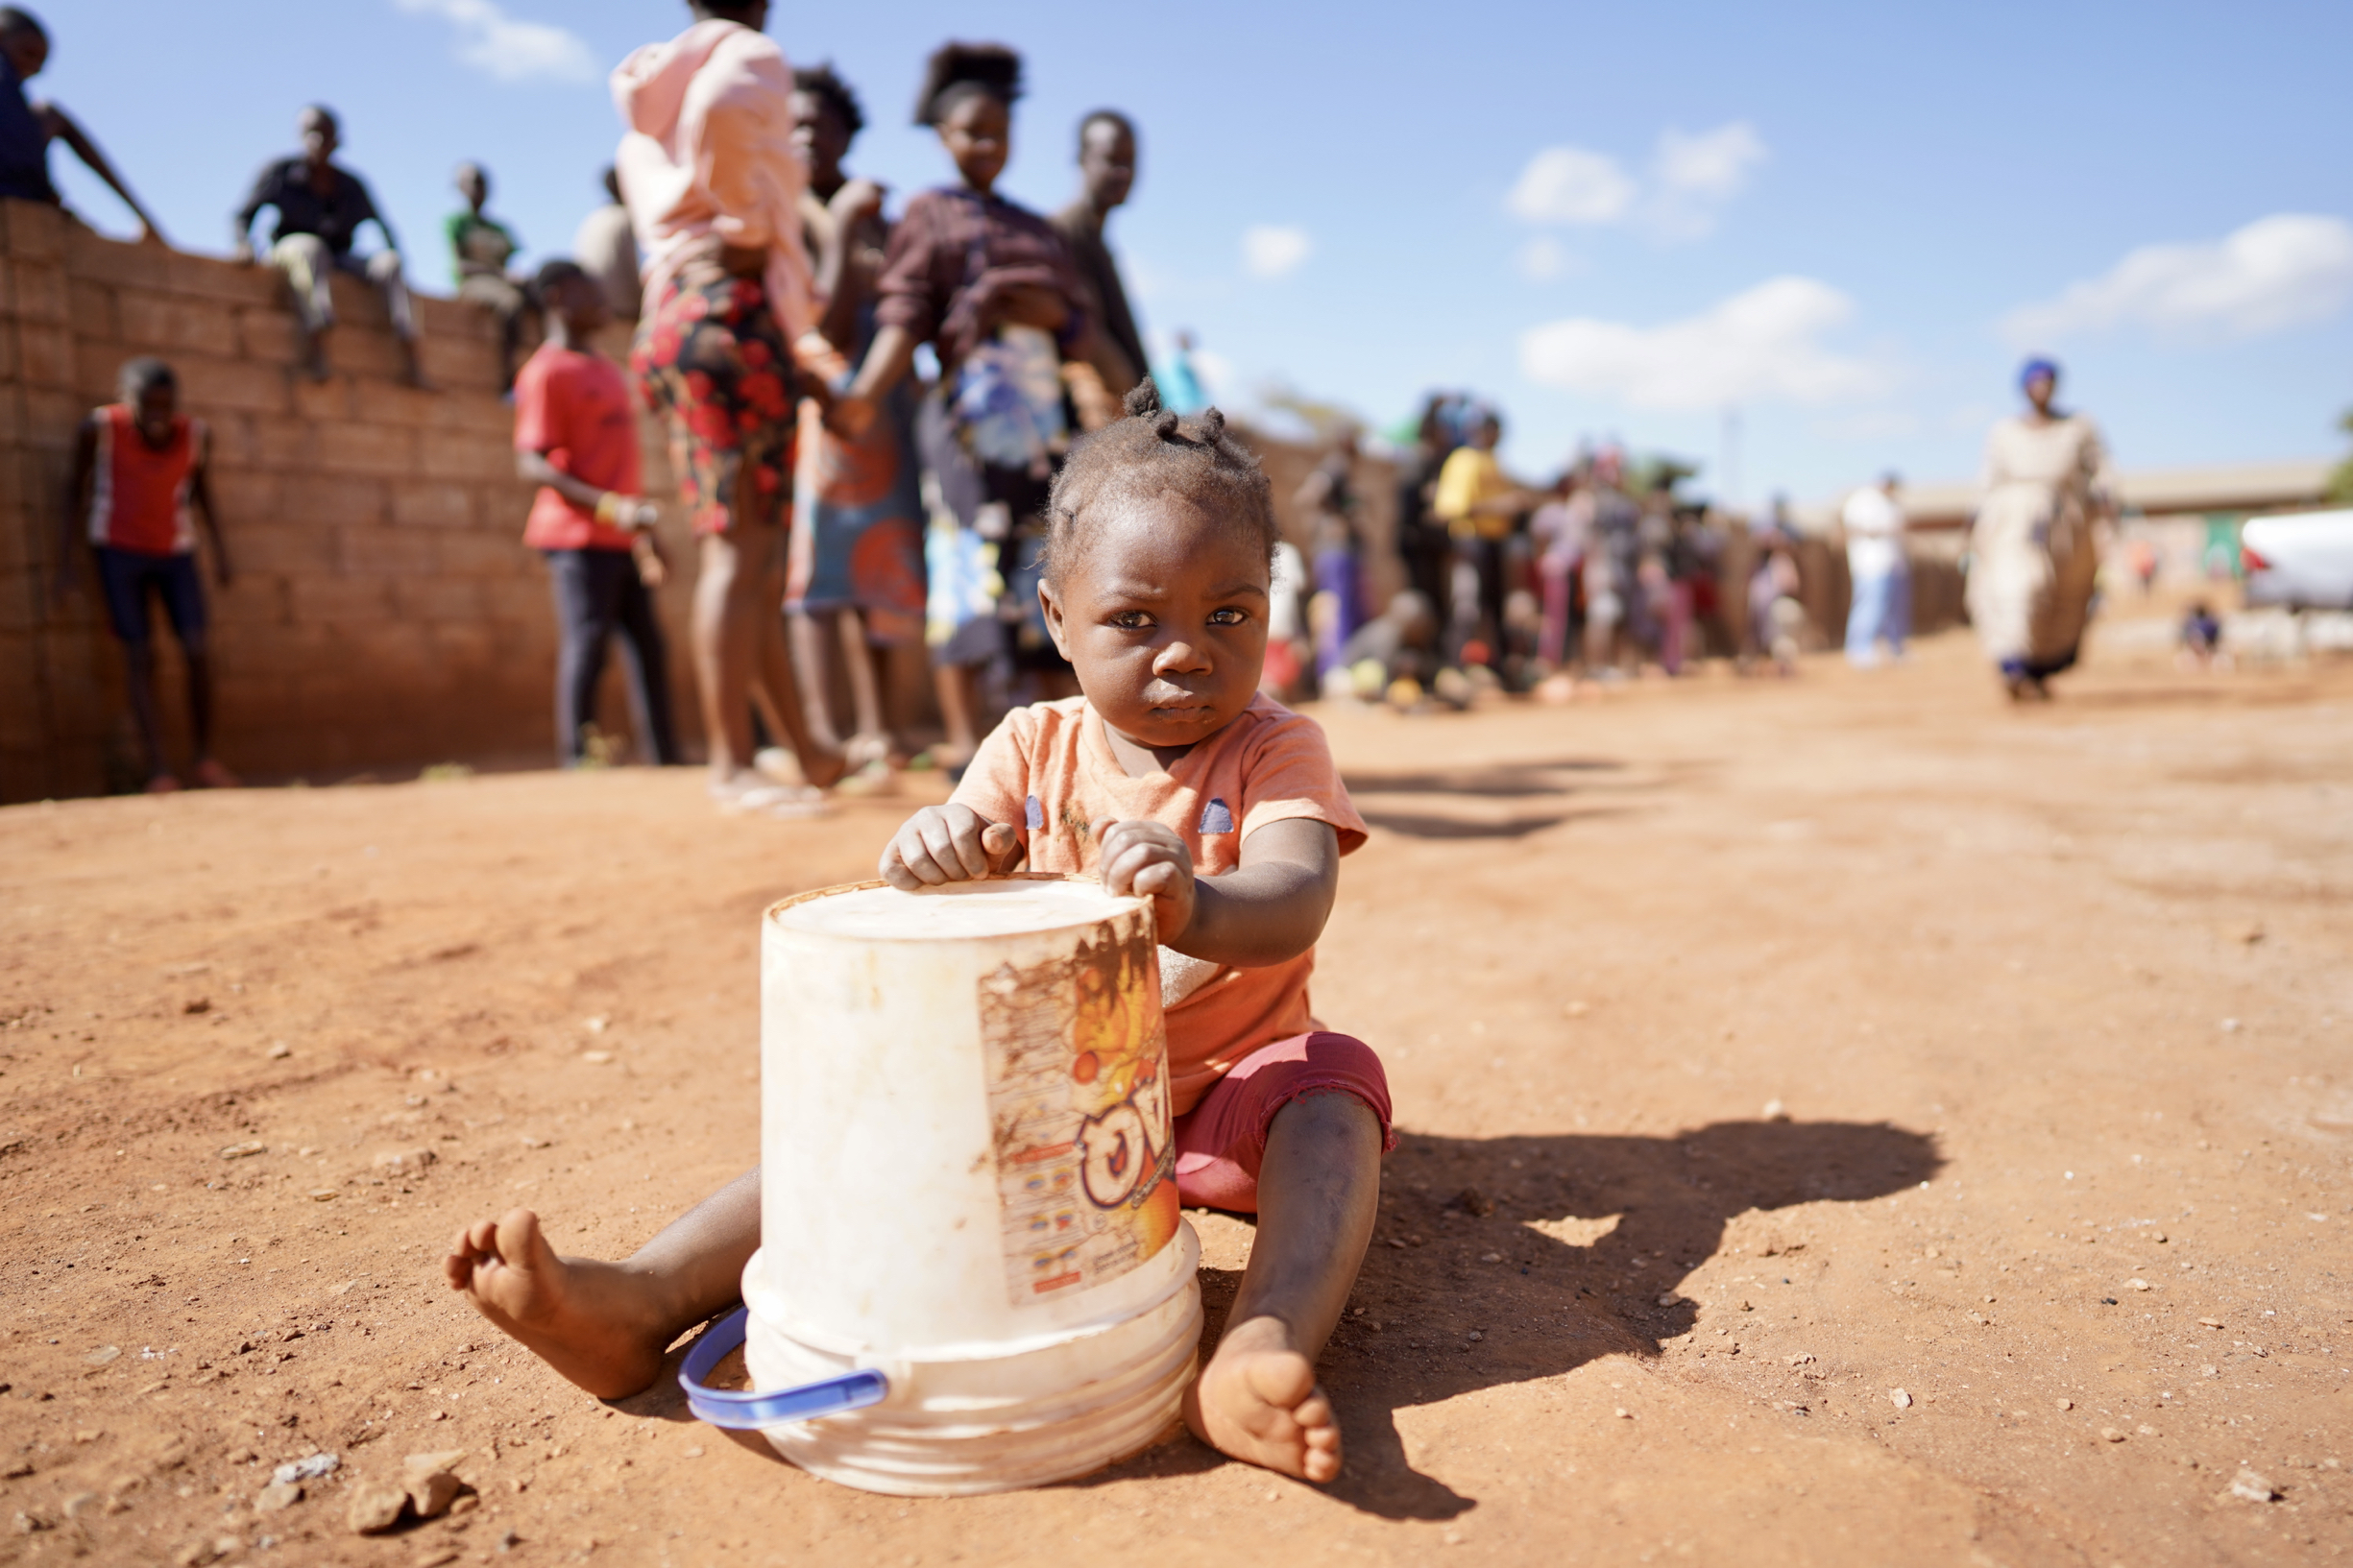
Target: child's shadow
{"points": [[1590, 1235]]}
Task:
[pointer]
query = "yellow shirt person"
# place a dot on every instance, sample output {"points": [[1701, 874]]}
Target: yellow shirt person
{"points": [[1471, 475]]}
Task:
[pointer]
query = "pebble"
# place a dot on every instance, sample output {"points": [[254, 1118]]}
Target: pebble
{"points": [[2109, 1434], [403, 1159], [238, 1151], [1623, 1413], [417, 1467], [2252, 1486], [432, 1494], [279, 1050], [1900, 1399], [1667, 1300], [103, 1354], [2067, 1404], [2136, 1285], [1491, 1257], [2147, 1430], [374, 1510], [597, 1057], [434, 1557], [276, 1495], [307, 1469], [2210, 1322], [323, 1195]]}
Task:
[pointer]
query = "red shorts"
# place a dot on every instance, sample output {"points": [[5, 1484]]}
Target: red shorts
{"points": [[1220, 1141]]}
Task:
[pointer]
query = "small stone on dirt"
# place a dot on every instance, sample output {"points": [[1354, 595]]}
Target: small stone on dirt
{"points": [[2252, 1486], [1470, 1200], [276, 1495], [374, 1510], [103, 1354], [2109, 1434], [597, 1057], [1900, 1399], [404, 1159], [1491, 1257], [307, 1469], [2067, 1404], [239, 1152], [417, 1467], [279, 1050], [2136, 1285], [1623, 1413], [2146, 1430], [2210, 1322], [432, 1495]]}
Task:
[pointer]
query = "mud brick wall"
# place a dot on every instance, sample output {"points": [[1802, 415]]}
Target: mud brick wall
{"points": [[384, 612]]}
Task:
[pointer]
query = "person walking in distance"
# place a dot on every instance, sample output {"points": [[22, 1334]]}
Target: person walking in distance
{"points": [[1879, 580], [725, 350], [137, 497], [321, 207], [2035, 552], [576, 438]]}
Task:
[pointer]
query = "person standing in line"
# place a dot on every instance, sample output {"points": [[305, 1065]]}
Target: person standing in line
{"points": [[1328, 497], [2034, 554], [1611, 556], [989, 284], [576, 438], [1562, 528], [136, 496], [27, 128], [1479, 506], [1422, 545], [480, 247], [606, 249], [1879, 579], [854, 585], [727, 347], [1180, 385], [320, 207], [1107, 175]]}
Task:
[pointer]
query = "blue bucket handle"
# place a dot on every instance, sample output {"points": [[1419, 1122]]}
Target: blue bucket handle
{"points": [[752, 1410]]}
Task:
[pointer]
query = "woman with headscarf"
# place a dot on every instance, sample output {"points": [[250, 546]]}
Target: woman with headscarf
{"points": [[2033, 556], [727, 347]]}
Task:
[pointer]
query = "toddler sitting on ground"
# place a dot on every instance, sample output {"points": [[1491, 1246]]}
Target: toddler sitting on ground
{"points": [[1173, 779]]}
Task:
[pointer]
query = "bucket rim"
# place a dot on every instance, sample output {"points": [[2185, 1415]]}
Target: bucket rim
{"points": [[1130, 901]]}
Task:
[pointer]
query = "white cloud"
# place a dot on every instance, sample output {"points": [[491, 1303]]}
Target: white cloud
{"points": [[1569, 184], [1542, 259], [1273, 250], [1763, 345], [1691, 175], [1713, 163], [492, 41], [2284, 271]]}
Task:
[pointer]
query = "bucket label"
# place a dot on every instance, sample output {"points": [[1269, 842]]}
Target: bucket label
{"points": [[1078, 1101]]}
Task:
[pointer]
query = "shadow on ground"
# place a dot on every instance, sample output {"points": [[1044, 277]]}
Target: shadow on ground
{"points": [[1589, 1236]]}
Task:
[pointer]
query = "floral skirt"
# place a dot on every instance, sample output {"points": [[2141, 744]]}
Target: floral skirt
{"points": [[712, 360]]}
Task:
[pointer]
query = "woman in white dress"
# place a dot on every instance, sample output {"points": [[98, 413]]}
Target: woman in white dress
{"points": [[2034, 557]]}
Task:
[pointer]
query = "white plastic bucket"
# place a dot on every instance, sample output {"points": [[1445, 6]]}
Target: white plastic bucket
{"points": [[967, 1184]]}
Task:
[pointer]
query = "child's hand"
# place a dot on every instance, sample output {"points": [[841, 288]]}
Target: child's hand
{"points": [[949, 843], [1151, 863], [653, 570]]}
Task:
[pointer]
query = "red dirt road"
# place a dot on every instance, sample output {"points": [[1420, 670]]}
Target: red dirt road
{"points": [[2054, 1008]]}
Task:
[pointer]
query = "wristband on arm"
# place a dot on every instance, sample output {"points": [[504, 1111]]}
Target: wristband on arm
{"points": [[627, 513]]}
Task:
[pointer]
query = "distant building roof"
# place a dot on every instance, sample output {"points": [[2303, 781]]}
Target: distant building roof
{"points": [[2236, 487]]}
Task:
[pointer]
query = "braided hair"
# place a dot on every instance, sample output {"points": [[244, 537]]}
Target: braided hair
{"points": [[1155, 451], [956, 71]]}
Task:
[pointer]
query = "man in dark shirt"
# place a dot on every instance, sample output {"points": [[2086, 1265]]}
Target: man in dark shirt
{"points": [[1106, 174], [27, 128], [320, 208]]}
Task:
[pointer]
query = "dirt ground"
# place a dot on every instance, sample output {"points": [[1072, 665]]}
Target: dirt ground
{"points": [[1761, 1049]]}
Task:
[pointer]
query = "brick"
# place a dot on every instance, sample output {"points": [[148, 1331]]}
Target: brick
{"points": [[420, 503], [465, 647], [327, 400], [360, 303], [385, 552], [453, 454], [520, 601], [45, 355], [292, 547], [266, 333], [489, 556], [214, 386], [37, 293], [312, 499], [90, 309], [36, 231], [430, 599], [227, 283], [97, 370], [454, 321], [169, 324], [357, 350], [395, 403], [352, 447], [456, 365], [339, 601], [105, 261], [52, 416], [280, 443], [243, 494]]}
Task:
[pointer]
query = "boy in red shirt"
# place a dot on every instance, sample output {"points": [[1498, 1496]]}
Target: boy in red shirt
{"points": [[136, 493], [576, 436]]}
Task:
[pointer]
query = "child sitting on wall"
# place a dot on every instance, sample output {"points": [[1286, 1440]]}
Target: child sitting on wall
{"points": [[137, 495], [1173, 779]]}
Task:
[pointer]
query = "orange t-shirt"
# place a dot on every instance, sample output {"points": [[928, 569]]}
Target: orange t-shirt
{"points": [[574, 408], [139, 492], [1048, 771]]}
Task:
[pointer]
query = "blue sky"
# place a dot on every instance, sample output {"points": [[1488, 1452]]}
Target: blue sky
{"points": [[1844, 222]]}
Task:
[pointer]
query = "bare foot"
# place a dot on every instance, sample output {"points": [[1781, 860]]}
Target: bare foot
{"points": [[597, 1323], [1257, 1401], [162, 784], [210, 775]]}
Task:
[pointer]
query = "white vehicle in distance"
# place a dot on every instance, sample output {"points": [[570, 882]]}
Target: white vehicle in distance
{"points": [[2299, 560]]}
